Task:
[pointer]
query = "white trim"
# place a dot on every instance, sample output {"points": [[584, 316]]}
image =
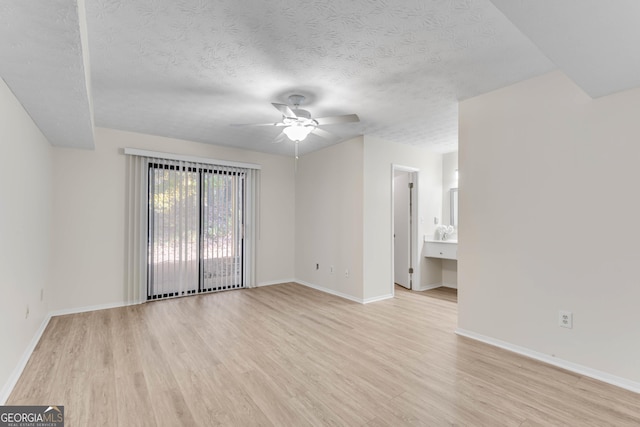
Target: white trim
{"points": [[404, 168], [181, 157], [428, 287], [376, 299], [393, 228], [22, 363], [91, 308], [329, 291], [276, 282], [343, 295], [436, 285], [564, 364]]}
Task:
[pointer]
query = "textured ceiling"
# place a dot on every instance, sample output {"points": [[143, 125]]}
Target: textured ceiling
{"points": [[43, 60], [190, 68]]}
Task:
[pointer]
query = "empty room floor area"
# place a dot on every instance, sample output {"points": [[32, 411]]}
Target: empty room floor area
{"points": [[288, 355]]}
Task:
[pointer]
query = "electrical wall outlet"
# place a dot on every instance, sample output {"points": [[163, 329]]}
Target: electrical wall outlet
{"points": [[565, 319]]}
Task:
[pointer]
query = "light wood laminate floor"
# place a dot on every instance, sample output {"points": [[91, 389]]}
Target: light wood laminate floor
{"points": [[443, 293], [287, 355]]}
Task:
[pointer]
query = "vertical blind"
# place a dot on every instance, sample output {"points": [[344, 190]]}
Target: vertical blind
{"points": [[173, 229], [191, 227]]}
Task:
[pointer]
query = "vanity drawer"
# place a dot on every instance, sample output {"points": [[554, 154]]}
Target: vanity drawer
{"points": [[441, 250]]}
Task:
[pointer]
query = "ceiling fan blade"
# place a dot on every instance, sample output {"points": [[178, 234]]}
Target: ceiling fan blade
{"points": [[281, 137], [257, 124], [323, 133], [349, 118], [285, 110]]}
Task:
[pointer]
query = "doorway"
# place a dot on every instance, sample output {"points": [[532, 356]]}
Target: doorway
{"points": [[404, 204]]}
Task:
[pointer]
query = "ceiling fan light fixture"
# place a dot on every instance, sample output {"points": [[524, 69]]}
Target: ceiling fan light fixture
{"points": [[297, 133]]}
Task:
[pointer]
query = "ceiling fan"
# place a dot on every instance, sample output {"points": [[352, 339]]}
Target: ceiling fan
{"points": [[298, 123]]}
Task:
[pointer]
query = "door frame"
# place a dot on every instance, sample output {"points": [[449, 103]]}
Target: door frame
{"points": [[414, 175]]}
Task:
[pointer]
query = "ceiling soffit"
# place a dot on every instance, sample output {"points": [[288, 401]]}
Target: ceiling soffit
{"points": [[45, 64]]}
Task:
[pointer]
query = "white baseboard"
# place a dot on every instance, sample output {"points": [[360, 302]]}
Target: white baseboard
{"points": [[275, 282], [564, 364], [436, 285], [427, 287], [376, 299], [330, 291], [22, 363], [89, 308]]}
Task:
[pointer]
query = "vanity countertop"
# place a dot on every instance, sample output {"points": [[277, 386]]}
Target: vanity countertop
{"points": [[447, 249]]}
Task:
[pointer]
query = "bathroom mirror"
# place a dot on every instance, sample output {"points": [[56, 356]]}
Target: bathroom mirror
{"points": [[453, 207]]}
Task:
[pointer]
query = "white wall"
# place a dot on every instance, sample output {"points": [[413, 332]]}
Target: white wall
{"points": [[328, 226], [549, 211], [379, 156], [343, 216], [449, 273], [89, 212], [25, 227], [449, 181]]}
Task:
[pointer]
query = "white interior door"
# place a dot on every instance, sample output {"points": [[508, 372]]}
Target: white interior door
{"points": [[401, 228]]}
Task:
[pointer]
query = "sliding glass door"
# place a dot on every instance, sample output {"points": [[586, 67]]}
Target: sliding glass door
{"points": [[222, 230], [196, 229]]}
